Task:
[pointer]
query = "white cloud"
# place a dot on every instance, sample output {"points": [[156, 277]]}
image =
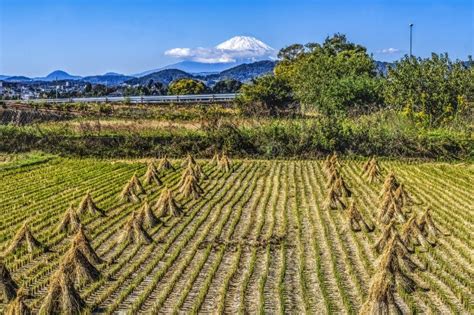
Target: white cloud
{"points": [[179, 52], [239, 48], [205, 55], [389, 51]]}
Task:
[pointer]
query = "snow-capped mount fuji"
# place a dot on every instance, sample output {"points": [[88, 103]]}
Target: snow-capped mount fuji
{"points": [[246, 43], [228, 54]]}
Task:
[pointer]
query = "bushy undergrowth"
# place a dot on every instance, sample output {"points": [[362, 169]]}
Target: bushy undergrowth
{"points": [[383, 134], [127, 110]]}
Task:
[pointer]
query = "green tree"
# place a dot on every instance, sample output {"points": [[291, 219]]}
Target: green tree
{"points": [[187, 86], [291, 52], [158, 88], [266, 94], [334, 77], [431, 90], [338, 43], [99, 90], [227, 86], [88, 88], [150, 84]]}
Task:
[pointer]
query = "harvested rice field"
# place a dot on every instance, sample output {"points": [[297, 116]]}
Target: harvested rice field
{"points": [[330, 236]]}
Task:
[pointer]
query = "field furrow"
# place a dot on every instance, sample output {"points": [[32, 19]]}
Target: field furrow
{"points": [[235, 294], [180, 235], [258, 240]]}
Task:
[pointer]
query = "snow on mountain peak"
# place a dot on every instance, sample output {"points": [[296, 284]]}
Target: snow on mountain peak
{"points": [[238, 49], [244, 43]]}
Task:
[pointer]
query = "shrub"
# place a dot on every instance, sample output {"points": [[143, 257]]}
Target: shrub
{"points": [[227, 86], [105, 109], [335, 77], [187, 86], [265, 95], [431, 91]]}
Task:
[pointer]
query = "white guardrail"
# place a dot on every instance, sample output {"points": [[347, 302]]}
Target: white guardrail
{"points": [[204, 98]]}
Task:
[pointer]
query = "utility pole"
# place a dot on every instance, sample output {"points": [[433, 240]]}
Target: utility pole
{"points": [[411, 39]]}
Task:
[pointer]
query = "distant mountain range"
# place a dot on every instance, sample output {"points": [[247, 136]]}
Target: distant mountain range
{"points": [[241, 72], [17, 78], [58, 75], [209, 73], [193, 67], [244, 72], [164, 76], [109, 78]]}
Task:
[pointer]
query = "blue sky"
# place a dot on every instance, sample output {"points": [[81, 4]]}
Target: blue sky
{"points": [[90, 36]]}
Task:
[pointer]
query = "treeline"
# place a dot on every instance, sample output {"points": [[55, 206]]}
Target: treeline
{"points": [[339, 78], [176, 87]]}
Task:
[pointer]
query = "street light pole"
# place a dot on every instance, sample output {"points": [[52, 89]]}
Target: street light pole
{"points": [[411, 38]]}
